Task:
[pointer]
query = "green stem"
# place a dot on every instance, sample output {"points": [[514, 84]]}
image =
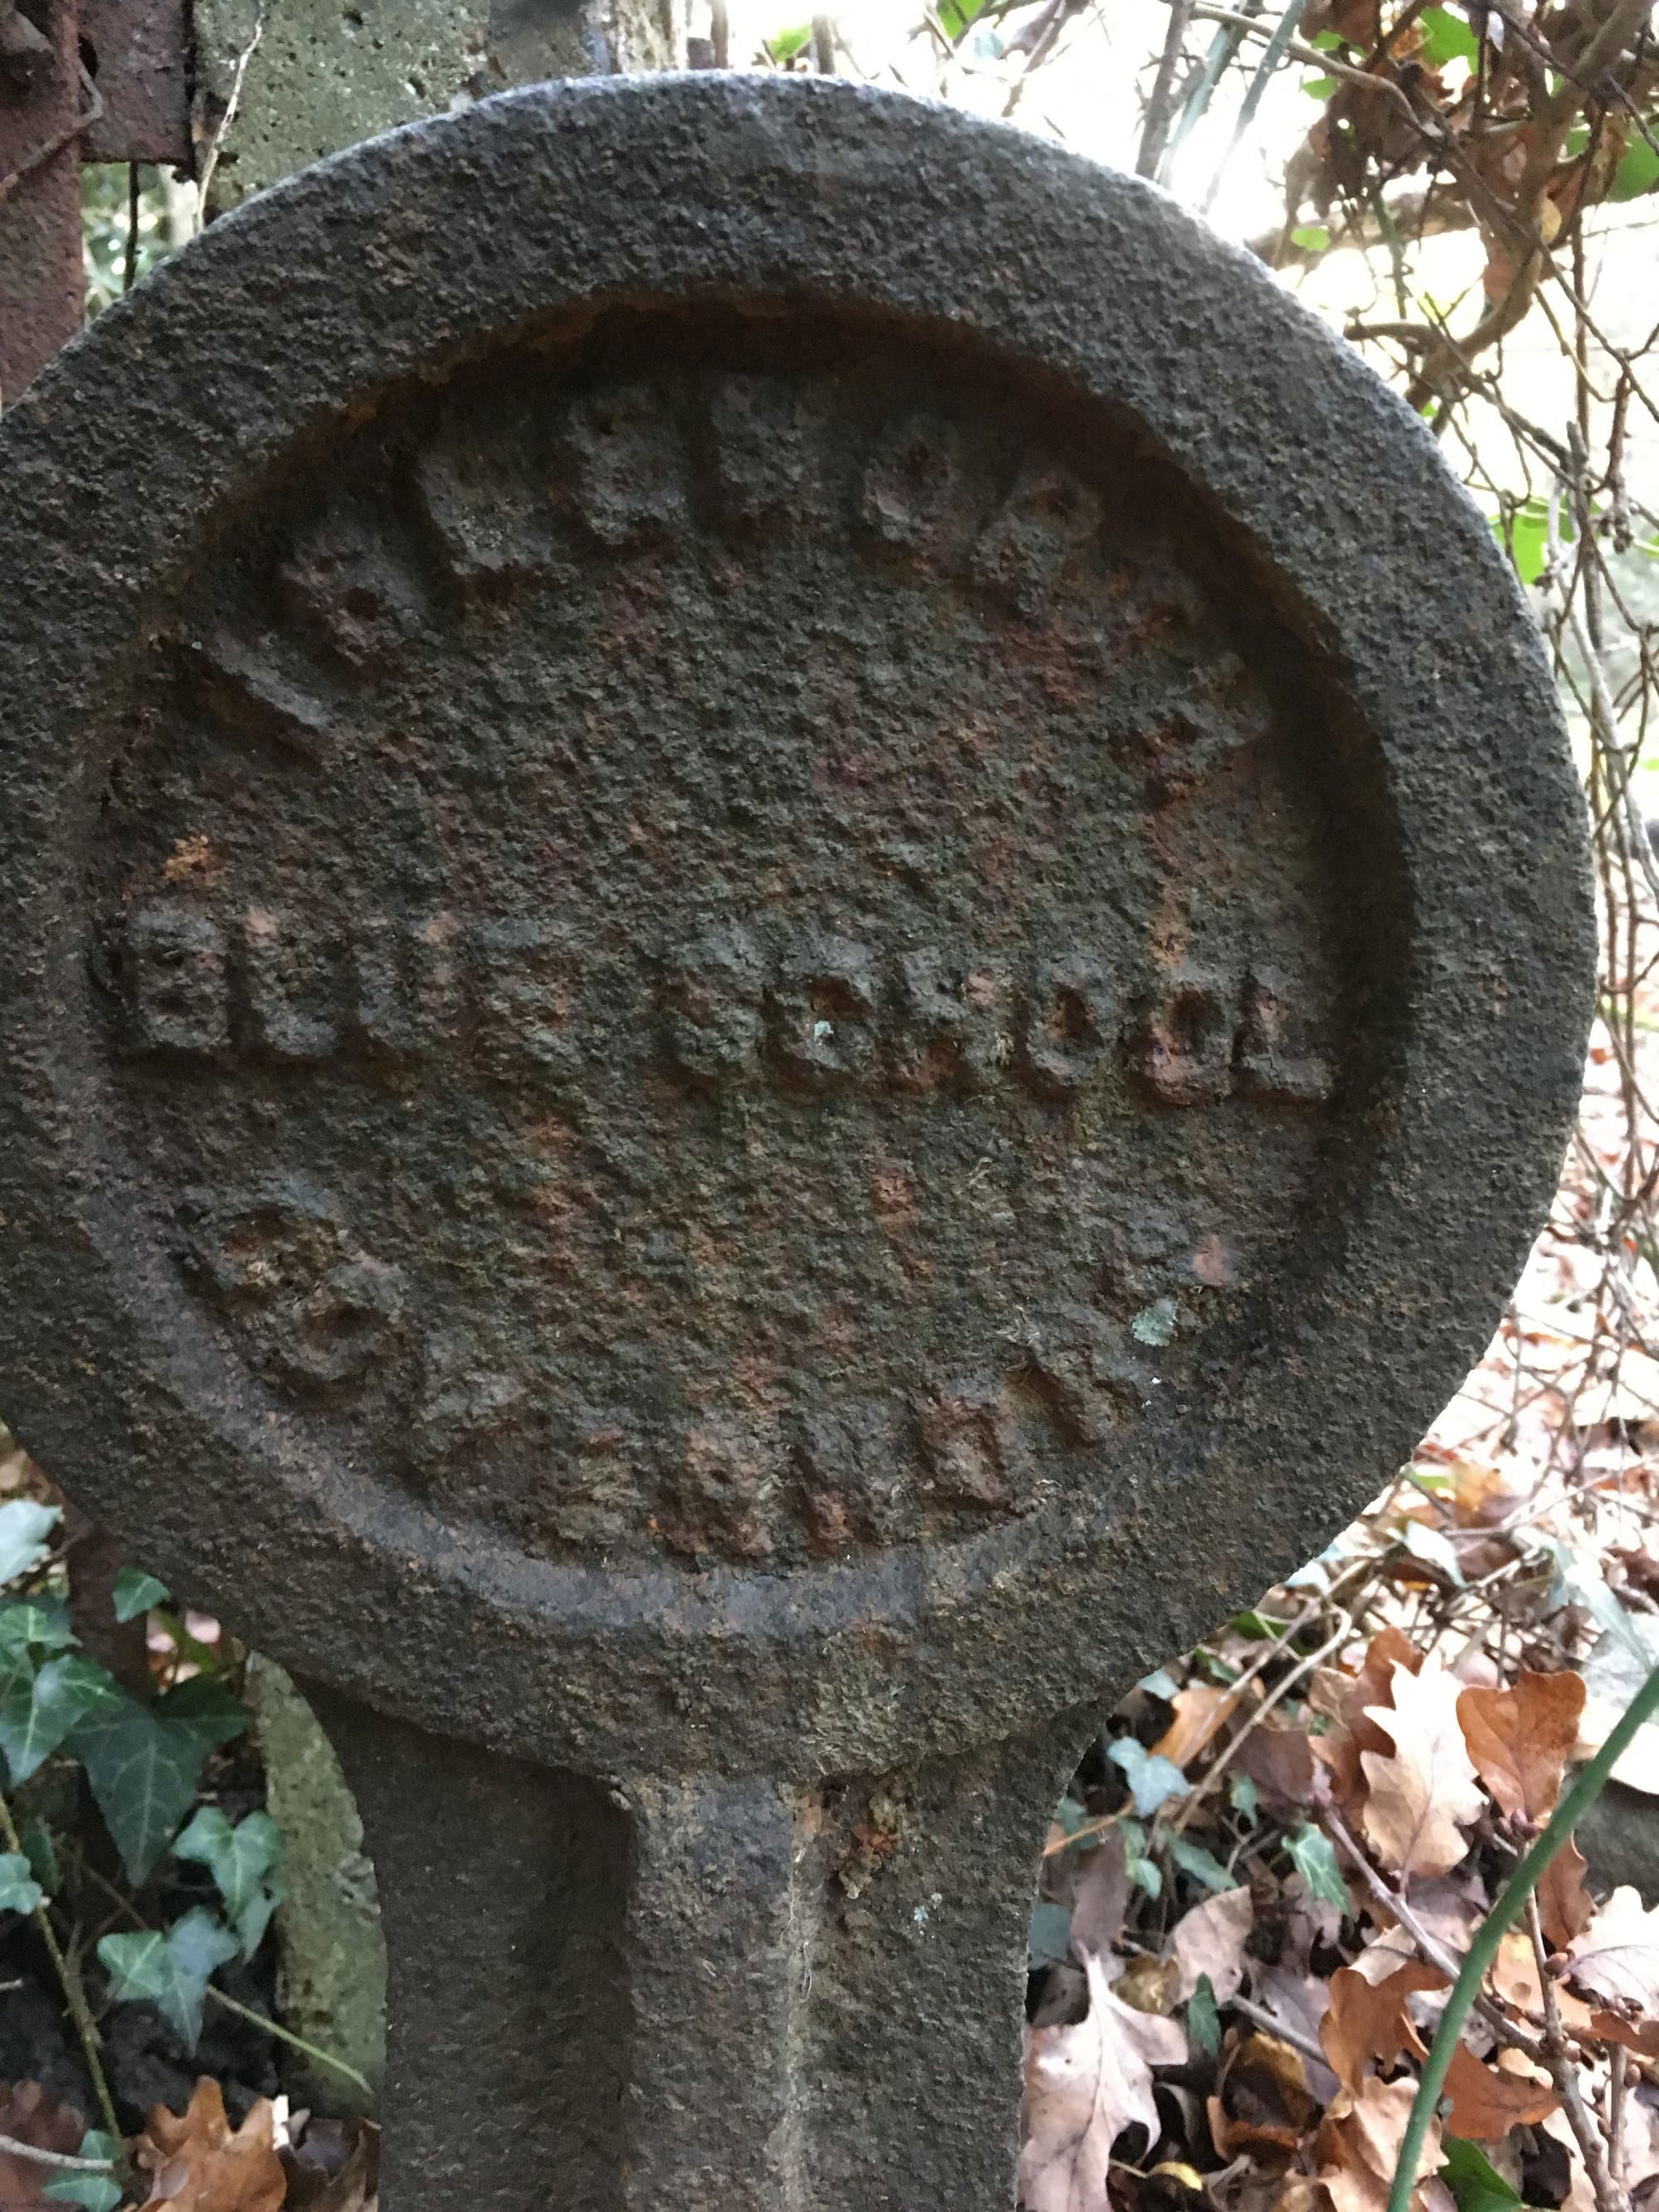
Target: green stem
{"points": [[287, 2035], [1512, 1902], [233, 2004], [69, 1983]]}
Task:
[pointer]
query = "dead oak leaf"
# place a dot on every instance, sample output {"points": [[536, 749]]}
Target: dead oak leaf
{"points": [[1263, 2099], [1359, 2142], [1210, 1940], [198, 2163], [1281, 1762], [1085, 2084], [1201, 1711], [1617, 1957], [1564, 1905], [1370, 2019], [29, 2115], [1348, 1702], [1424, 1795], [1486, 2101], [1514, 1978], [1521, 1740], [1641, 2036]]}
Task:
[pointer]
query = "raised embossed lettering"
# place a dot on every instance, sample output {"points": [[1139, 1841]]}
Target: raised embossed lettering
{"points": [[766, 437], [854, 1478], [1183, 1049], [290, 978], [965, 1432], [175, 969], [628, 461], [714, 997], [319, 1312], [822, 1010], [1045, 521], [914, 494], [1070, 1023], [1279, 1058], [955, 1022]]}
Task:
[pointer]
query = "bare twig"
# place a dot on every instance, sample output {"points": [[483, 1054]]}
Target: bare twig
{"points": [[55, 145], [56, 2158], [1160, 104], [1564, 2072]]}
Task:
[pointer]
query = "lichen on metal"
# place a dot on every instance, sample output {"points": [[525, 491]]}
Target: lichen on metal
{"points": [[778, 993]]}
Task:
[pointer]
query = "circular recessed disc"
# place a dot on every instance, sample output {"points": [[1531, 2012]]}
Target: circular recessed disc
{"points": [[798, 928]]}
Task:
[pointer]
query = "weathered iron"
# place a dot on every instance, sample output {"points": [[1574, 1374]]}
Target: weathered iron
{"points": [[797, 939], [79, 80]]}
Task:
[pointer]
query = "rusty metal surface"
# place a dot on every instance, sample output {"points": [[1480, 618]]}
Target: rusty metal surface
{"points": [[137, 51], [771, 991], [42, 100]]}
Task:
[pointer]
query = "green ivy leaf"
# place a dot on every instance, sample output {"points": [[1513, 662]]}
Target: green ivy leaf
{"points": [[135, 1592], [1153, 1779], [25, 1535], [785, 44], [1147, 1875], [19, 1890], [1319, 87], [40, 1711], [1314, 1856], [957, 17], [204, 1710], [39, 1623], [1435, 1549], [41, 1854], [1258, 1626], [1311, 237], [1525, 533], [143, 1770], [1638, 170], [170, 1970], [1244, 1797], [239, 1858], [1472, 2179], [1447, 38], [1051, 1933], [1203, 2020], [1203, 1865], [98, 2192]]}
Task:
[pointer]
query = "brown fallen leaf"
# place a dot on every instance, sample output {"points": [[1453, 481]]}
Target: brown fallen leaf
{"points": [[1564, 1905], [1486, 2103], [1424, 1793], [1521, 1740], [197, 2163], [1085, 2084], [1100, 1889], [1281, 1762], [1201, 1711], [1360, 2143], [1210, 1940], [29, 2115], [1262, 2102], [1348, 1702], [1641, 2036], [1370, 2019], [334, 2168], [1514, 1978], [1617, 1957]]}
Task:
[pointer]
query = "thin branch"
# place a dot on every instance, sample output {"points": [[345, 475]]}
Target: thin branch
{"points": [[1160, 104], [57, 2158], [1564, 2072]]}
